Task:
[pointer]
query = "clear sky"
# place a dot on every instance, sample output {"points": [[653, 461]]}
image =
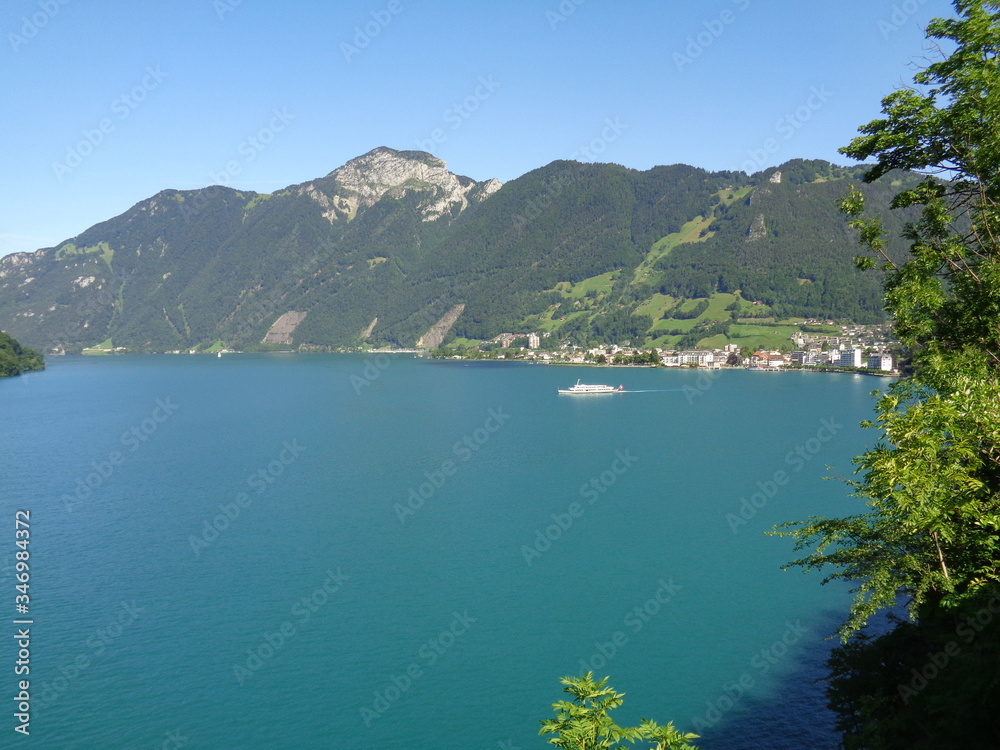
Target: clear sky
{"points": [[106, 103]]}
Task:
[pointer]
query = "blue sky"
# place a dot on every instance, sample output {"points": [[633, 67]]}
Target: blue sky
{"points": [[107, 103]]}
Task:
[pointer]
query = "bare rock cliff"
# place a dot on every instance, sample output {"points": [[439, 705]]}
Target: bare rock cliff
{"points": [[363, 181]]}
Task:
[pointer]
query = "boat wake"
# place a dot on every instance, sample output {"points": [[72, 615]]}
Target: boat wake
{"points": [[656, 390]]}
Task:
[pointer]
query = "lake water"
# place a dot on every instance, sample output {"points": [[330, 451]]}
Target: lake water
{"points": [[336, 551]]}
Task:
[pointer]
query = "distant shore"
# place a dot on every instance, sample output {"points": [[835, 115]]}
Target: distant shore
{"points": [[425, 353]]}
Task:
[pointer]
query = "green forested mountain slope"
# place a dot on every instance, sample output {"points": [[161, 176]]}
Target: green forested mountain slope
{"points": [[785, 245], [382, 247]]}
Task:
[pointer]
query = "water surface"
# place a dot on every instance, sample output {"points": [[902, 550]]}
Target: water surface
{"points": [[338, 551]]}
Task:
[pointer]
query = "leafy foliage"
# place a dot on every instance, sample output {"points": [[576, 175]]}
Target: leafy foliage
{"points": [[694, 312], [15, 359], [931, 534], [921, 685], [933, 526], [933, 481], [583, 723]]}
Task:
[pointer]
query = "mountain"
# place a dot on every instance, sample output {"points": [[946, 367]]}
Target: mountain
{"points": [[392, 245]]}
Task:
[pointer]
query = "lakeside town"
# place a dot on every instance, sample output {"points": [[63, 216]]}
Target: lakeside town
{"points": [[854, 348]]}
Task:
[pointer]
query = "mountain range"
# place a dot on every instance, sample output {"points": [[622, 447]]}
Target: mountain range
{"points": [[394, 249]]}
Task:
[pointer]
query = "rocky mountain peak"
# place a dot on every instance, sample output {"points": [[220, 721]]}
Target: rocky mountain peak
{"points": [[383, 171]]}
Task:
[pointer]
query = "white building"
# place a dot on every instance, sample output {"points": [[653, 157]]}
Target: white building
{"points": [[809, 358], [851, 357], [697, 357], [880, 362]]}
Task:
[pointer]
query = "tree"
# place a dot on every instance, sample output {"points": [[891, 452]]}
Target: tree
{"points": [[583, 723], [931, 533], [933, 480], [15, 359]]}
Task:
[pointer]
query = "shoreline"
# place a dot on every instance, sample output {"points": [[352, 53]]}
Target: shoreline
{"points": [[422, 353]]}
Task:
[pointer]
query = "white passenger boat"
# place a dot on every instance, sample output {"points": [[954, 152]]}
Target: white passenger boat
{"points": [[583, 389]]}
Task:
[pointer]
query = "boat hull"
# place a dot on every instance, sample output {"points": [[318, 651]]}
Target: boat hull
{"points": [[589, 390]]}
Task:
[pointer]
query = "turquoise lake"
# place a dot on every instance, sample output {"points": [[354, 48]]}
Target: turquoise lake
{"points": [[341, 551]]}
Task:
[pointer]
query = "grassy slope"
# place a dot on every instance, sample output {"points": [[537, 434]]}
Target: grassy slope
{"points": [[600, 284], [656, 305], [696, 230], [104, 347], [768, 334], [690, 232]]}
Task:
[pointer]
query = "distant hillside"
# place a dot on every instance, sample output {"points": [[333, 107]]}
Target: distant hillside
{"points": [[382, 249], [15, 359], [786, 245]]}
